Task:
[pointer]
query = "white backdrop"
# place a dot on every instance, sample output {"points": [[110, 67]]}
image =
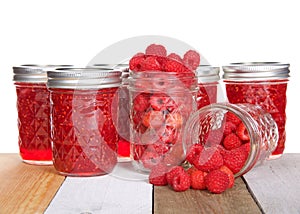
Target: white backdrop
{"points": [[73, 32]]}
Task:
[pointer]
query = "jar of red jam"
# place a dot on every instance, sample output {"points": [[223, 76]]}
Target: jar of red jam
{"points": [[84, 106], [123, 126], [160, 104], [33, 113], [208, 83], [264, 84], [238, 136]]}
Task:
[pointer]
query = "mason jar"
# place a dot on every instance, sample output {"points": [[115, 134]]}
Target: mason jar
{"points": [[84, 106], [209, 128], [208, 84], [264, 84], [33, 113], [160, 104]]}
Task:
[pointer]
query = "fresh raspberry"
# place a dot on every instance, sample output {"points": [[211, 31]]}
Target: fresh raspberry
{"points": [[161, 102], [232, 118], [135, 63], [235, 159], [230, 175], [157, 175], [168, 136], [197, 179], [246, 147], [153, 119], [150, 159], [141, 102], [174, 171], [157, 50], [175, 56], [216, 181], [191, 170], [194, 153], [175, 155], [214, 137], [242, 132], [175, 66], [150, 64], [160, 148], [174, 120], [191, 59], [232, 141], [229, 128], [209, 159], [181, 182]]}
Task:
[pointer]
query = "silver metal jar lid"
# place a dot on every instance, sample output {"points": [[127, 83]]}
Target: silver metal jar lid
{"points": [[84, 78], [33, 72], [256, 71], [207, 73]]}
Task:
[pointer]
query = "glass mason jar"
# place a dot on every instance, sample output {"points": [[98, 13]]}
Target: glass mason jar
{"points": [[264, 84], [123, 126], [208, 127], [160, 104], [84, 106], [33, 113], [208, 83]]}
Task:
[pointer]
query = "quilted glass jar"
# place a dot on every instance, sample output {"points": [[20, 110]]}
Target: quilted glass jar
{"points": [[84, 106]]}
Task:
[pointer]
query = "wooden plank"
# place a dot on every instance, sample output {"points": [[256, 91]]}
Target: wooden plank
{"points": [[276, 184], [235, 200], [102, 194], [26, 188]]}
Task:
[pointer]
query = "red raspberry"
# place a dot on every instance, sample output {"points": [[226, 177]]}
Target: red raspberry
{"points": [[175, 155], [232, 141], [157, 175], [194, 153], [235, 159], [150, 64], [135, 63], [246, 147], [197, 179], [168, 136], [232, 118], [157, 50], [161, 102], [153, 119], [191, 170], [141, 102], [191, 59], [174, 171], [242, 132], [175, 66], [174, 120], [209, 159], [229, 127], [230, 175], [175, 56], [216, 181], [181, 182]]}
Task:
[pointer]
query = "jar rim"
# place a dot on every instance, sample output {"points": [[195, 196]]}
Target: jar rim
{"points": [[256, 70], [207, 73]]}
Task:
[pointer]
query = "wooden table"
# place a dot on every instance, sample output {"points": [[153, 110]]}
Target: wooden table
{"points": [[271, 188]]}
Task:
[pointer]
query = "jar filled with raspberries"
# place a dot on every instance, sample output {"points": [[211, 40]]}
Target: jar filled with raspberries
{"points": [[163, 90], [222, 141], [208, 84]]}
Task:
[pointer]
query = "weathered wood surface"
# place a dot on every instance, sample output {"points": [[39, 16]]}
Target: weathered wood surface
{"points": [[276, 184], [235, 200], [26, 188]]}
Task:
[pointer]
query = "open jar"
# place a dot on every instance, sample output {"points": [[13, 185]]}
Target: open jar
{"points": [[84, 106], [250, 125], [264, 84], [160, 104]]}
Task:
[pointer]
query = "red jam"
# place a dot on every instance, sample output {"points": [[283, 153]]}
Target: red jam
{"points": [[207, 94], [33, 122], [271, 95], [83, 131]]}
